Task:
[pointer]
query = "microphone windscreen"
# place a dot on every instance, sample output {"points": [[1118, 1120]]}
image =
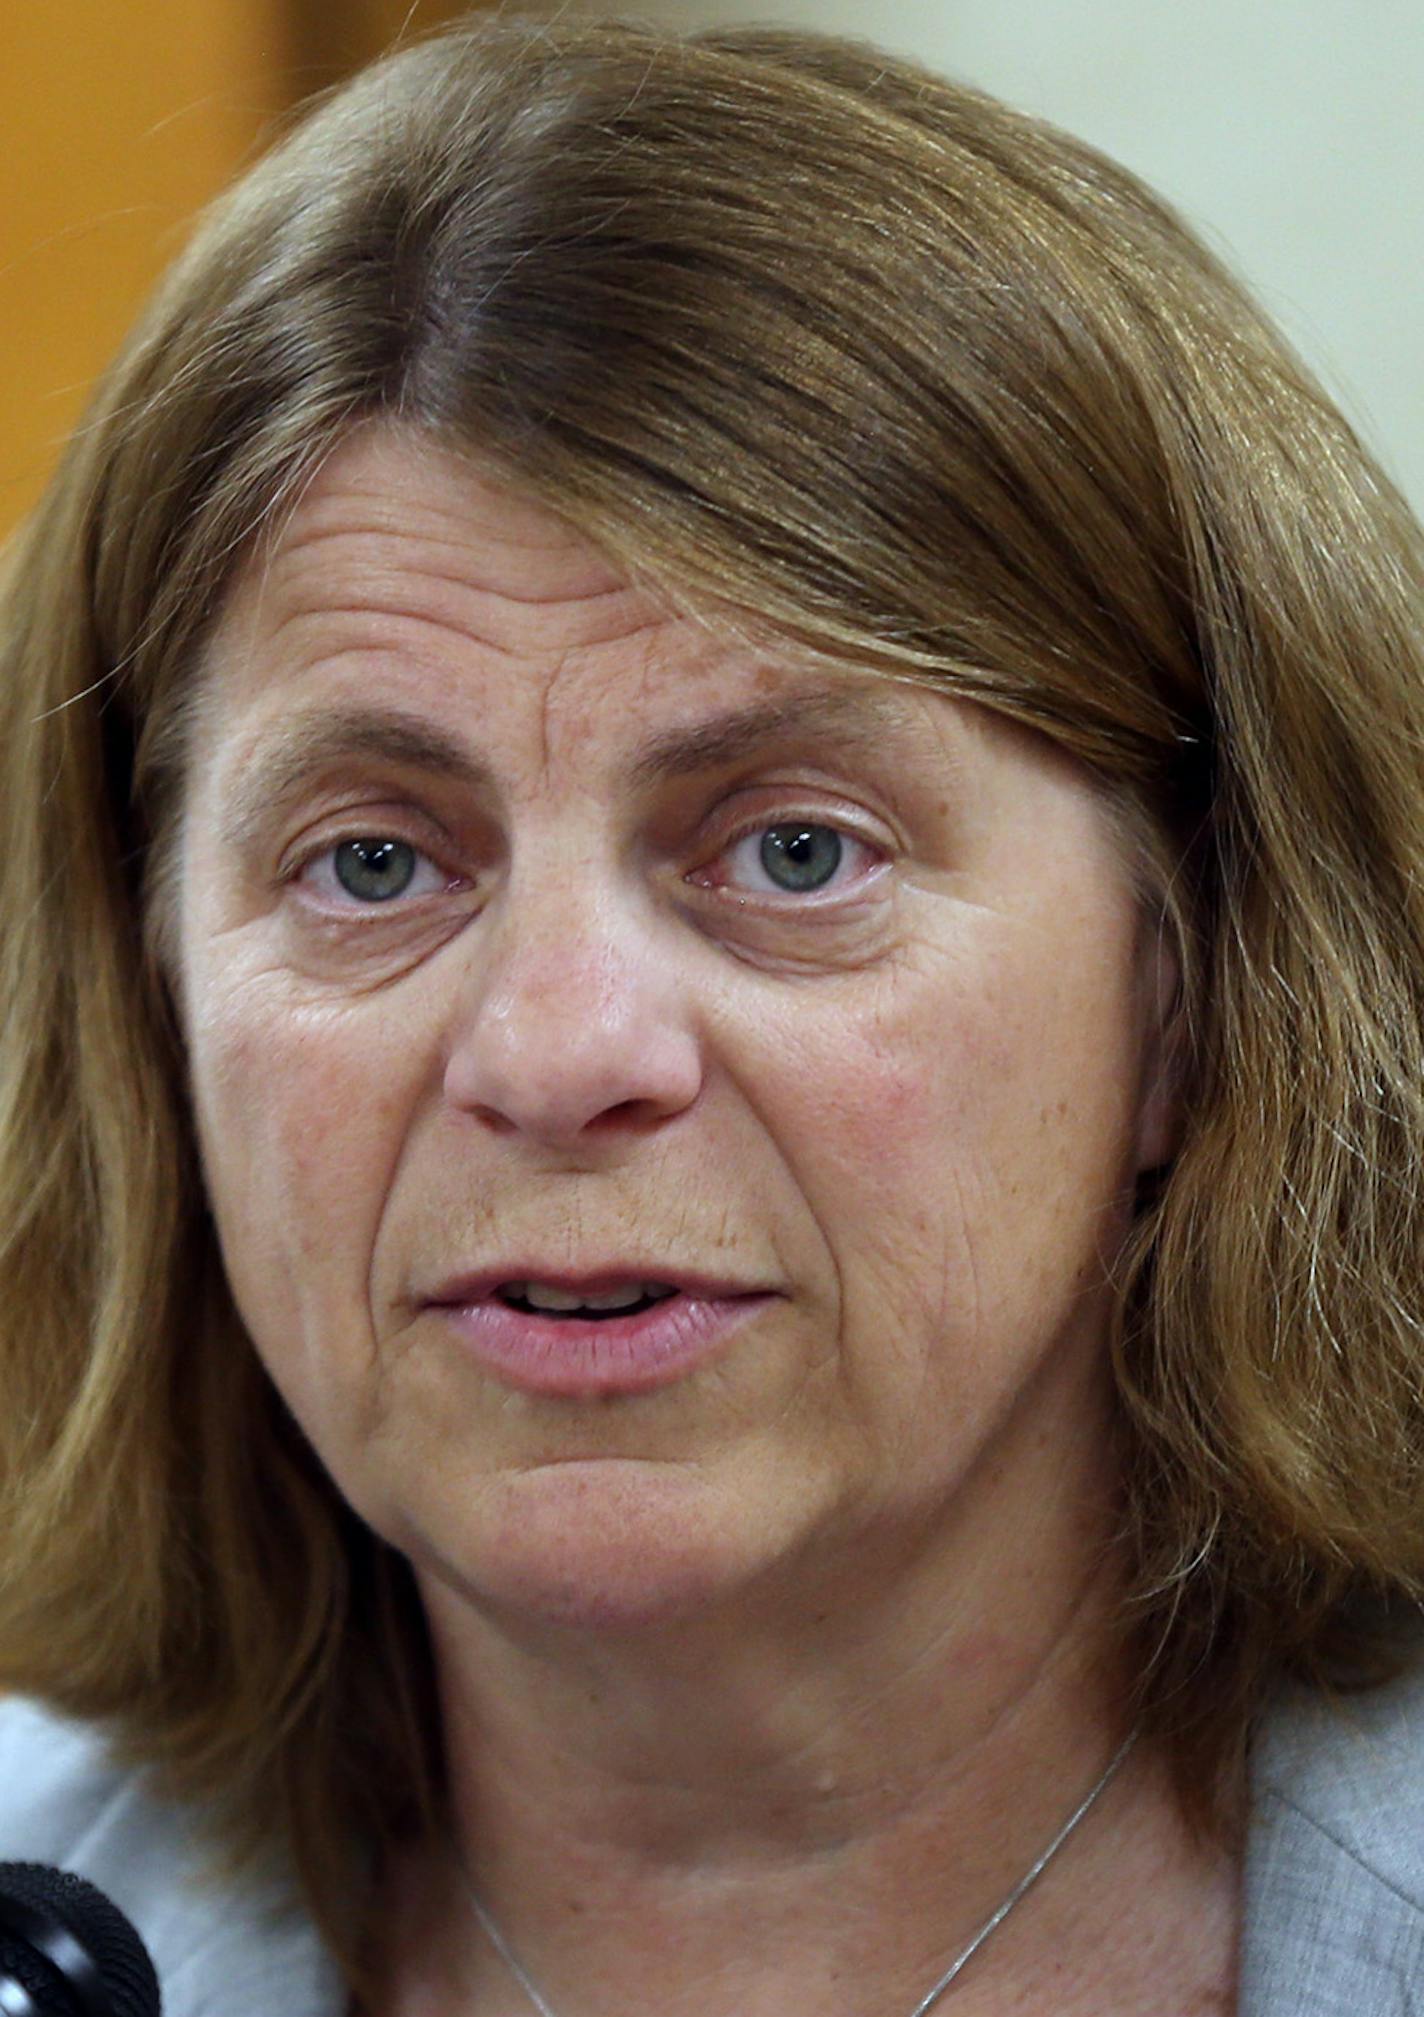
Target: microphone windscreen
{"points": [[68, 1951]]}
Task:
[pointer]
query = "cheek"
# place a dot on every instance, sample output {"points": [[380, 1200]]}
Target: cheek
{"points": [[962, 1141], [300, 1114]]}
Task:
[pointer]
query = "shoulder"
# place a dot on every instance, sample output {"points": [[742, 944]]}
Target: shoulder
{"points": [[54, 1783], [1353, 1768], [1334, 1892], [65, 1800]]}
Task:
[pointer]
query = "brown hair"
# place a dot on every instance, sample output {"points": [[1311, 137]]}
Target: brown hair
{"points": [[809, 338]]}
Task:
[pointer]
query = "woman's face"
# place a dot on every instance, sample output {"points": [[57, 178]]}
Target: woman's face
{"points": [[535, 948]]}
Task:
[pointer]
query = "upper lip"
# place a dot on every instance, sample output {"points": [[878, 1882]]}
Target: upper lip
{"points": [[593, 1281]]}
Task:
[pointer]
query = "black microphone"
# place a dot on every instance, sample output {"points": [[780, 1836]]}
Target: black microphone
{"points": [[68, 1951]]}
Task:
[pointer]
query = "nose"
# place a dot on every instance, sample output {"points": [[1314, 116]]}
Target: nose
{"points": [[575, 1026]]}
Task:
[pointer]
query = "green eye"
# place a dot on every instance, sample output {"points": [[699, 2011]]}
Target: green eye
{"points": [[374, 870], [800, 857]]}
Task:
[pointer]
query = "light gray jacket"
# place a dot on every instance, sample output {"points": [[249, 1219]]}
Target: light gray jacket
{"points": [[1334, 1900], [1334, 1905]]}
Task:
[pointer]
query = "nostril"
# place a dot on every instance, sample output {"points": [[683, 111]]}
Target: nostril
{"points": [[627, 1114], [625, 1117], [494, 1120]]}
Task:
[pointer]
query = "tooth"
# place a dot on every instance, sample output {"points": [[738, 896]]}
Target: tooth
{"points": [[616, 1299], [544, 1298]]}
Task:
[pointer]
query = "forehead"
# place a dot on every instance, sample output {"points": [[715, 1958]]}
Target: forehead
{"points": [[410, 581], [403, 546], [394, 523]]}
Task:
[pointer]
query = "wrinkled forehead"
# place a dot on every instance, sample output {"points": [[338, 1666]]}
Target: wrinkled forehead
{"points": [[413, 558], [411, 581], [397, 523]]}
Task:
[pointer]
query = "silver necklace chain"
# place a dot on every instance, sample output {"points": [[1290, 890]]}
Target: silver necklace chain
{"points": [[996, 1918]]}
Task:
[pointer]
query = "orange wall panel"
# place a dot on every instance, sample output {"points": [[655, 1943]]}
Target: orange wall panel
{"points": [[118, 123], [118, 120]]}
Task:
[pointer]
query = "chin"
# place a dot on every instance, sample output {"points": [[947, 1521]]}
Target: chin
{"points": [[600, 1545]]}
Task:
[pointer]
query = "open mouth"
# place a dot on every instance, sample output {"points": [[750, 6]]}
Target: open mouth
{"points": [[595, 1335], [543, 1300]]}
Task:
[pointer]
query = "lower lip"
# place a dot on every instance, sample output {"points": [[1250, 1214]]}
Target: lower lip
{"points": [[587, 1358]]}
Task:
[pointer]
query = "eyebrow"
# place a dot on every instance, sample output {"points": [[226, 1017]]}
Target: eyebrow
{"points": [[305, 748], [858, 717]]}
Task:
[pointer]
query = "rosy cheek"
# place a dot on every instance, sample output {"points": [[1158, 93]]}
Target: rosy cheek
{"points": [[932, 1071]]}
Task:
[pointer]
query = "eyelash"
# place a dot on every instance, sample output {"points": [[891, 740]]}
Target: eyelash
{"points": [[306, 870], [851, 843]]}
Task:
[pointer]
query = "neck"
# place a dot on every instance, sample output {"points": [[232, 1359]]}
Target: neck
{"points": [[809, 1794], [812, 1811], [703, 1746]]}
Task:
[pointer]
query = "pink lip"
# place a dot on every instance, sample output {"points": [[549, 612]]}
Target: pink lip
{"points": [[591, 1357]]}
